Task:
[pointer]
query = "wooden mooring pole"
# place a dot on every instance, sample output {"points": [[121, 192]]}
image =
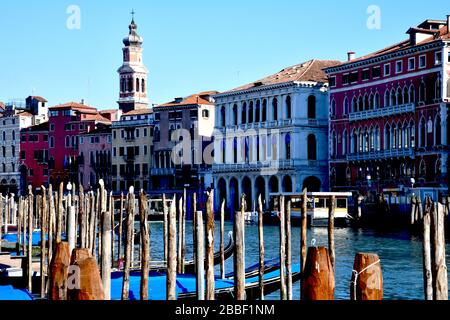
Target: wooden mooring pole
{"points": [[367, 278], [331, 211], [439, 268], [172, 252], [30, 240], [282, 249], [200, 257], [288, 251], [106, 253], [239, 256], [43, 239], [210, 281], [318, 278], [128, 244], [427, 272], [145, 239], [59, 272], [261, 248], [165, 225], [303, 235], [222, 240]]}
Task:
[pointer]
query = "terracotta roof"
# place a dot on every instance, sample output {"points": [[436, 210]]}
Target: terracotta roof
{"points": [[435, 35], [308, 71], [109, 111], [99, 130], [2, 105], [96, 117], [24, 114], [75, 106], [39, 98], [192, 99], [138, 112]]}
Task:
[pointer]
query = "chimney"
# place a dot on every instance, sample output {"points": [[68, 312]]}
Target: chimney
{"points": [[350, 55], [82, 101], [448, 23]]}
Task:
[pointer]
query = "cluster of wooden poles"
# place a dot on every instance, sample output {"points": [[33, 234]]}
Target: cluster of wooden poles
{"points": [[80, 268]]}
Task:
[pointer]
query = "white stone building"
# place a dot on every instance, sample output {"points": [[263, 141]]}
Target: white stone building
{"points": [[272, 136]]}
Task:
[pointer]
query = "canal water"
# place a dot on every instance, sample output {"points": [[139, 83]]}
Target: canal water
{"points": [[400, 254]]}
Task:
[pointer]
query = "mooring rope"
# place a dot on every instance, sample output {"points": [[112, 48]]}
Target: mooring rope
{"points": [[356, 273]]}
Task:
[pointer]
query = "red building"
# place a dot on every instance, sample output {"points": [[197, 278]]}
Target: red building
{"points": [[34, 156], [66, 123], [388, 114]]}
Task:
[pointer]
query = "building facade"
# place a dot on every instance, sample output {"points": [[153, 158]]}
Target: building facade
{"points": [[34, 157], [183, 130], [389, 112], [66, 123], [272, 136], [132, 146], [95, 157]]}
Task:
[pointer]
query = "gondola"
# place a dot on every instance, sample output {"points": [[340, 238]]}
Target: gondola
{"points": [[189, 265], [186, 285]]}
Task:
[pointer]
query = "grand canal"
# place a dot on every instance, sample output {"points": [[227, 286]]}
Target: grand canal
{"points": [[399, 251]]}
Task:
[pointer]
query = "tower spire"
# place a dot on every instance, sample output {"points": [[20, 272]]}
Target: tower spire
{"points": [[132, 15]]}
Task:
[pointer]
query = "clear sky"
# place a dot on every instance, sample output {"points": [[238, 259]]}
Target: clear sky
{"points": [[189, 45]]}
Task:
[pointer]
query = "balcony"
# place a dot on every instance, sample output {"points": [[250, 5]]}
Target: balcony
{"points": [[382, 154], [162, 171], [131, 123], [129, 157], [382, 112], [267, 165]]}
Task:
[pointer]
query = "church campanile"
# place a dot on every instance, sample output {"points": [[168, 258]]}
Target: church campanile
{"points": [[133, 73]]}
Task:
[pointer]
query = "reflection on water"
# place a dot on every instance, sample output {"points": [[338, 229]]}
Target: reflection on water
{"points": [[400, 254]]}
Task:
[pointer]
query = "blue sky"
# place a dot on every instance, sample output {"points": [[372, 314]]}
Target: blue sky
{"points": [[190, 46]]}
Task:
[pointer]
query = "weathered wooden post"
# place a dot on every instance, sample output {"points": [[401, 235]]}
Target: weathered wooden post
{"points": [[92, 223], [19, 225], [119, 243], [1, 220], [43, 239], [440, 282], [145, 238], [200, 245], [71, 231], [51, 222], [59, 272], [222, 240], [180, 230], [81, 218], [367, 278], [194, 229], [318, 278], [210, 282], [128, 244], [30, 239], [427, 271], [106, 254], [304, 230], [282, 250], [419, 207], [183, 234], [261, 248], [239, 258], [413, 209], [172, 253], [165, 226], [288, 251], [60, 212], [111, 210], [331, 211]]}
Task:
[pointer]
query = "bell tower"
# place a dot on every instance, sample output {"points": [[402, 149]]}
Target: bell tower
{"points": [[133, 73]]}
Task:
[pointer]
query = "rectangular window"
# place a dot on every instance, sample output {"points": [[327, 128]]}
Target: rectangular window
{"points": [[354, 77], [45, 137], [145, 132], [145, 169], [52, 127], [345, 79], [52, 142], [448, 57], [399, 67], [54, 113], [157, 116], [136, 150], [114, 134], [411, 64], [376, 72], [422, 61], [121, 151], [114, 170], [122, 133], [23, 155], [45, 172], [23, 138], [365, 75], [438, 58], [81, 140], [387, 70], [137, 133], [122, 169], [137, 169], [332, 81], [114, 152], [145, 150]]}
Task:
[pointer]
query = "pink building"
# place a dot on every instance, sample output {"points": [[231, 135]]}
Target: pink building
{"points": [[95, 157], [389, 112], [66, 123]]}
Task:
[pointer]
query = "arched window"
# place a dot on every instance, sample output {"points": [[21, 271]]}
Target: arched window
{"points": [[250, 112], [354, 104], [371, 101], [258, 111], [4, 151], [437, 88], [13, 135], [288, 107], [235, 151], [274, 147], [438, 168], [386, 98], [130, 85], [4, 136], [412, 134], [264, 111], [244, 113], [360, 103], [224, 151], [377, 138], [422, 92], [345, 105], [422, 169], [235, 115], [311, 107], [333, 108], [143, 85], [387, 137], [13, 151], [399, 96], [366, 102], [376, 100], [412, 94], [333, 144], [422, 132], [67, 141], [312, 147], [344, 142], [137, 85], [353, 142], [222, 116], [156, 134], [405, 95], [275, 109], [393, 101], [437, 131], [287, 141]]}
